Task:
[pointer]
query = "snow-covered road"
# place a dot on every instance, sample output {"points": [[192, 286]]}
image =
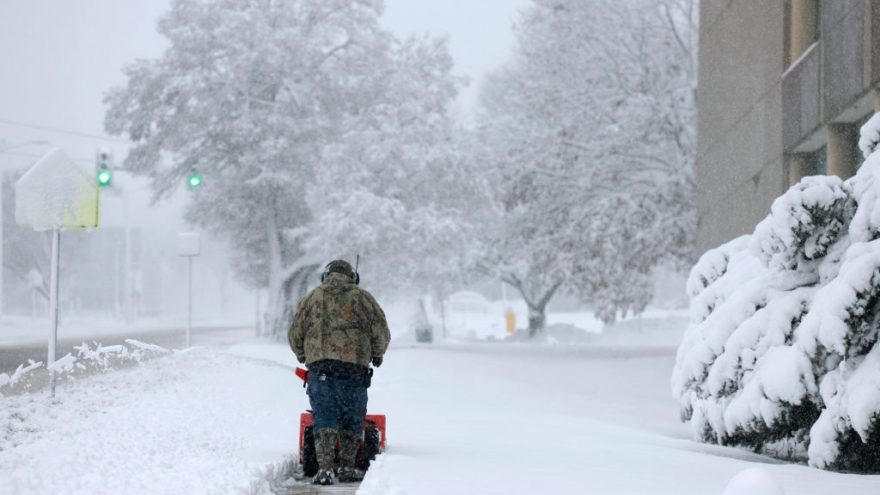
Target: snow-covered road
{"points": [[469, 418]]}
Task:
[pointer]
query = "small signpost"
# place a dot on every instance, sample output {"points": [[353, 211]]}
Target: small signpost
{"points": [[55, 194], [189, 245]]}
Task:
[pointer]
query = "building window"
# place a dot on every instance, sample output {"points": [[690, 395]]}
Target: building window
{"points": [[819, 159], [805, 164]]}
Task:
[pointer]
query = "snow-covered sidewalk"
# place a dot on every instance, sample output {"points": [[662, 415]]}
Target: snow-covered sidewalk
{"points": [[468, 418], [481, 419]]}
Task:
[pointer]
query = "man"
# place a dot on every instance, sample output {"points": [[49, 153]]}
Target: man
{"points": [[338, 330]]}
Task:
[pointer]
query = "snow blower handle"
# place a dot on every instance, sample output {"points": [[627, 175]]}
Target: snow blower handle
{"points": [[303, 375]]}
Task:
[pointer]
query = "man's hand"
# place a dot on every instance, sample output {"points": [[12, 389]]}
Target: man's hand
{"points": [[377, 361], [301, 359]]}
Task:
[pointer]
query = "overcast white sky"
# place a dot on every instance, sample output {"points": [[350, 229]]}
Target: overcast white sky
{"points": [[58, 57]]}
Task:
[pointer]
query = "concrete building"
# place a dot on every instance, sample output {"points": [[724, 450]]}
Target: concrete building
{"points": [[784, 86]]}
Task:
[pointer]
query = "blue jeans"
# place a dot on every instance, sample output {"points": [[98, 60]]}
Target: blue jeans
{"points": [[338, 404]]}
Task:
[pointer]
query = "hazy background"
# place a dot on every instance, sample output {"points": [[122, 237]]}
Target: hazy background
{"points": [[58, 58]]}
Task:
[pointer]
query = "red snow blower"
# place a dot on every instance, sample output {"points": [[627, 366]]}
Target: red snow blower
{"points": [[372, 444]]}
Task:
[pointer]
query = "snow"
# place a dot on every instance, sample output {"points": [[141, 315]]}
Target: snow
{"points": [[852, 398], [792, 235], [565, 415], [753, 481], [869, 135]]}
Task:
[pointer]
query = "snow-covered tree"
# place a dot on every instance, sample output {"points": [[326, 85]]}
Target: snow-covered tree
{"points": [[264, 99], [781, 354], [400, 190], [591, 131]]}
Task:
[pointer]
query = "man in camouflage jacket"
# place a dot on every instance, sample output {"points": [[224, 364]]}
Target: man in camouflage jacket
{"points": [[338, 331]]}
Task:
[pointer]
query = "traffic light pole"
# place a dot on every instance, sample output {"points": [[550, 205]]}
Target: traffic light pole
{"points": [[104, 171]]}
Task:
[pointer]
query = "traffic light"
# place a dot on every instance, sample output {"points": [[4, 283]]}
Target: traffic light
{"points": [[195, 180], [104, 177], [104, 167]]}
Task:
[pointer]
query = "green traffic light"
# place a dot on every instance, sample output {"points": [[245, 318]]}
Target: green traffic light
{"points": [[104, 178], [194, 181]]}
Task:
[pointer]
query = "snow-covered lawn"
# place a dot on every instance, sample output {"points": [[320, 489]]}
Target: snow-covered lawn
{"points": [[463, 417]]}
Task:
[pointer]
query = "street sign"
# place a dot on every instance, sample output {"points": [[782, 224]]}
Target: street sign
{"points": [[188, 244], [56, 194]]}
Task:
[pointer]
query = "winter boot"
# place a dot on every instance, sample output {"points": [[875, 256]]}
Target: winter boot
{"points": [[349, 443], [325, 451]]}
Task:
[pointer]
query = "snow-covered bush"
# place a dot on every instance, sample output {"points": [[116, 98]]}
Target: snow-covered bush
{"points": [[21, 371], [781, 353], [101, 358], [803, 224], [104, 358]]}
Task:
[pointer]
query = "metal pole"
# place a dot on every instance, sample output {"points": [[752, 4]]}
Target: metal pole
{"points": [[33, 306], [257, 312], [189, 264], [53, 307], [117, 284], [443, 313], [2, 185], [127, 275]]}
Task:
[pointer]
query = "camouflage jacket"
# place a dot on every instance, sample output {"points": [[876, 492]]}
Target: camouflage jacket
{"points": [[339, 320]]}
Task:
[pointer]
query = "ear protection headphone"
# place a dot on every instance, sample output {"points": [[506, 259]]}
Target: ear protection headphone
{"points": [[354, 275]]}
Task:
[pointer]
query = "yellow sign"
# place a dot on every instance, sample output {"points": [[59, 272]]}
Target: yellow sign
{"points": [[511, 322], [56, 194]]}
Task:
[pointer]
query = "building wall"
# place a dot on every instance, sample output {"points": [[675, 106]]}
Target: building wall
{"points": [[783, 89], [739, 167]]}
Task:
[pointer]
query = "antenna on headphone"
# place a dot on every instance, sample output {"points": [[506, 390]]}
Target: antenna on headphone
{"points": [[356, 276]]}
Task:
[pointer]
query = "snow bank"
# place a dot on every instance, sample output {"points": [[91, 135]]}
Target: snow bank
{"points": [[754, 481], [780, 354], [378, 482]]}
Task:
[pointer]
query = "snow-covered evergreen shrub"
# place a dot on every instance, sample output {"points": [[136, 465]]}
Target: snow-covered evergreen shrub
{"points": [[781, 354], [840, 337], [802, 226]]}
